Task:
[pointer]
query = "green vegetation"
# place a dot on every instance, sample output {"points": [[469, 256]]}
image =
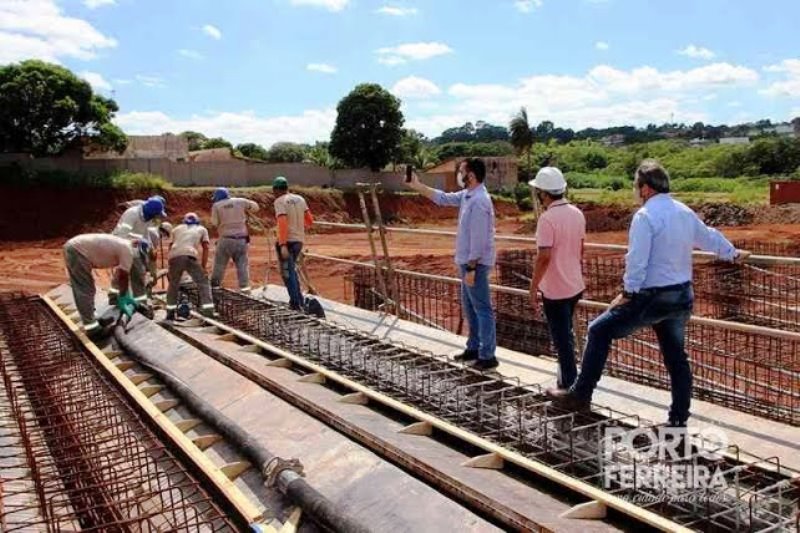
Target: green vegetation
{"points": [[15, 176], [45, 108]]}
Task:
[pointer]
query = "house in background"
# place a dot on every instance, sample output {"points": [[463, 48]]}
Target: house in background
{"points": [[501, 172], [167, 146], [734, 140]]}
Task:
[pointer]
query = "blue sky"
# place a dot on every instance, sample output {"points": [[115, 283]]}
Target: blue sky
{"points": [[272, 70]]}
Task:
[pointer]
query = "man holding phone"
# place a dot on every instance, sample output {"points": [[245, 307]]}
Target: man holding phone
{"points": [[475, 256]]}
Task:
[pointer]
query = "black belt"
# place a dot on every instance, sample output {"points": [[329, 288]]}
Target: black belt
{"points": [[667, 288], [238, 238]]}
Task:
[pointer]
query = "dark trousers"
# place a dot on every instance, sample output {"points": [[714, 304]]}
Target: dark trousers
{"points": [[559, 314], [289, 273], [667, 312]]}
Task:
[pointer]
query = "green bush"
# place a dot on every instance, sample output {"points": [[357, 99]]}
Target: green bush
{"points": [[20, 177]]}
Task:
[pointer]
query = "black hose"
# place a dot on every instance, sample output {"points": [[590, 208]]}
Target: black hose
{"points": [[282, 473]]}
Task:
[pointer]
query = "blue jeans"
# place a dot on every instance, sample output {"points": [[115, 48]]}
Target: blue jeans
{"points": [[559, 315], [289, 273], [477, 304], [667, 312]]}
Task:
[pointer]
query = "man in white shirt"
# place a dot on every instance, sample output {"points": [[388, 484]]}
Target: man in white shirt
{"points": [[84, 253], [229, 216], [186, 238], [293, 218]]}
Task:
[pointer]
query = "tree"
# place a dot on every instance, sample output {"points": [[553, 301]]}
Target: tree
{"points": [[44, 108], [284, 152], [521, 134], [252, 150], [216, 142], [195, 139], [411, 143], [368, 127]]}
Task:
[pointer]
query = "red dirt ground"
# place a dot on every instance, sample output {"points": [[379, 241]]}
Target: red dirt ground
{"points": [[33, 261]]}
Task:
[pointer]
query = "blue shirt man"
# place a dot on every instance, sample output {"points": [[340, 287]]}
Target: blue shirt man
{"points": [[657, 291], [475, 257]]}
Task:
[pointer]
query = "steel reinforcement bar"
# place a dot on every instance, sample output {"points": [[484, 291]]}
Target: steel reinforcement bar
{"points": [[74, 453], [520, 425], [750, 369]]}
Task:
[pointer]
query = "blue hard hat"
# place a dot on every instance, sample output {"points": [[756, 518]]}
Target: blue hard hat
{"points": [[191, 219], [221, 193], [160, 199], [153, 208]]}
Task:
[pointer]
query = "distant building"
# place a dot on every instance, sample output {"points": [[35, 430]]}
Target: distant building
{"points": [[697, 142], [615, 139], [167, 146], [784, 130], [501, 172], [734, 140]]}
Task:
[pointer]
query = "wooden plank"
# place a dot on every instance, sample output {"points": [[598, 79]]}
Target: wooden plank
{"points": [[112, 354], [313, 377], [188, 424], [424, 429], [293, 522], [136, 379], [280, 363], [593, 510], [531, 465], [234, 469], [151, 390], [242, 504], [125, 365], [166, 405], [358, 398], [206, 441], [251, 348], [211, 329], [489, 460], [227, 337]]}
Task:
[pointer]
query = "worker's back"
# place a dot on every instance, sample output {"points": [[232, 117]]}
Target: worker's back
{"points": [[132, 224], [294, 207], [230, 216]]}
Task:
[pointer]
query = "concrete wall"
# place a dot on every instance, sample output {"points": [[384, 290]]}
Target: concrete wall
{"points": [[232, 173], [168, 146]]}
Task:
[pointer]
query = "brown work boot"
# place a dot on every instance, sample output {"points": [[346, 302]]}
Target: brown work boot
{"points": [[565, 399]]}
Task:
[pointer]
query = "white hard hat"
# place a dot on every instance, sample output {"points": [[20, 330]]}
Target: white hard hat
{"points": [[549, 179], [166, 227]]}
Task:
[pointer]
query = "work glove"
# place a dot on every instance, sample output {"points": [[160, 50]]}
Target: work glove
{"points": [[126, 304]]}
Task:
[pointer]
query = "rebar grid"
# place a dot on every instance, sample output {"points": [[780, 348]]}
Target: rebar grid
{"points": [[747, 371], [521, 419], [75, 454], [750, 294]]}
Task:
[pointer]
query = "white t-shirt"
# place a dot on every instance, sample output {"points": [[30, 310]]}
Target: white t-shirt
{"points": [[132, 224], [186, 239], [230, 216], [104, 250], [294, 207]]}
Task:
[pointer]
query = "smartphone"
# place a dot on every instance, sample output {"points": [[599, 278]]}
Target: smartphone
{"points": [[409, 172]]}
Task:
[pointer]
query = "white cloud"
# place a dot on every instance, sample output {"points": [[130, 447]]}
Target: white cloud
{"points": [[526, 6], [396, 55], [190, 54], [94, 4], [601, 45], [651, 79], [38, 29], [794, 113], [96, 80], [122, 81], [413, 87], [330, 5], [321, 67], [734, 103], [395, 11], [246, 126], [788, 87], [212, 31], [151, 81], [697, 52]]}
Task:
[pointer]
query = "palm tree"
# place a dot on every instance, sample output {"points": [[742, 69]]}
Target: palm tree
{"points": [[521, 134], [424, 159]]}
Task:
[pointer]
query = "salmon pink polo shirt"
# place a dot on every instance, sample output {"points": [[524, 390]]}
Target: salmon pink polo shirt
{"points": [[562, 228]]}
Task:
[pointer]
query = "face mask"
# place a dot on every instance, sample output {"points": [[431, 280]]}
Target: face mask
{"points": [[460, 180], [637, 195]]}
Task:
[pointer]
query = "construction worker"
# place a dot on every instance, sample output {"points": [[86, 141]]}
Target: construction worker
{"points": [[133, 225], [229, 216], [475, 257], [558, 272], [293, 217], [657, 291], [84, 253], [156, 235], [186, 238]]}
